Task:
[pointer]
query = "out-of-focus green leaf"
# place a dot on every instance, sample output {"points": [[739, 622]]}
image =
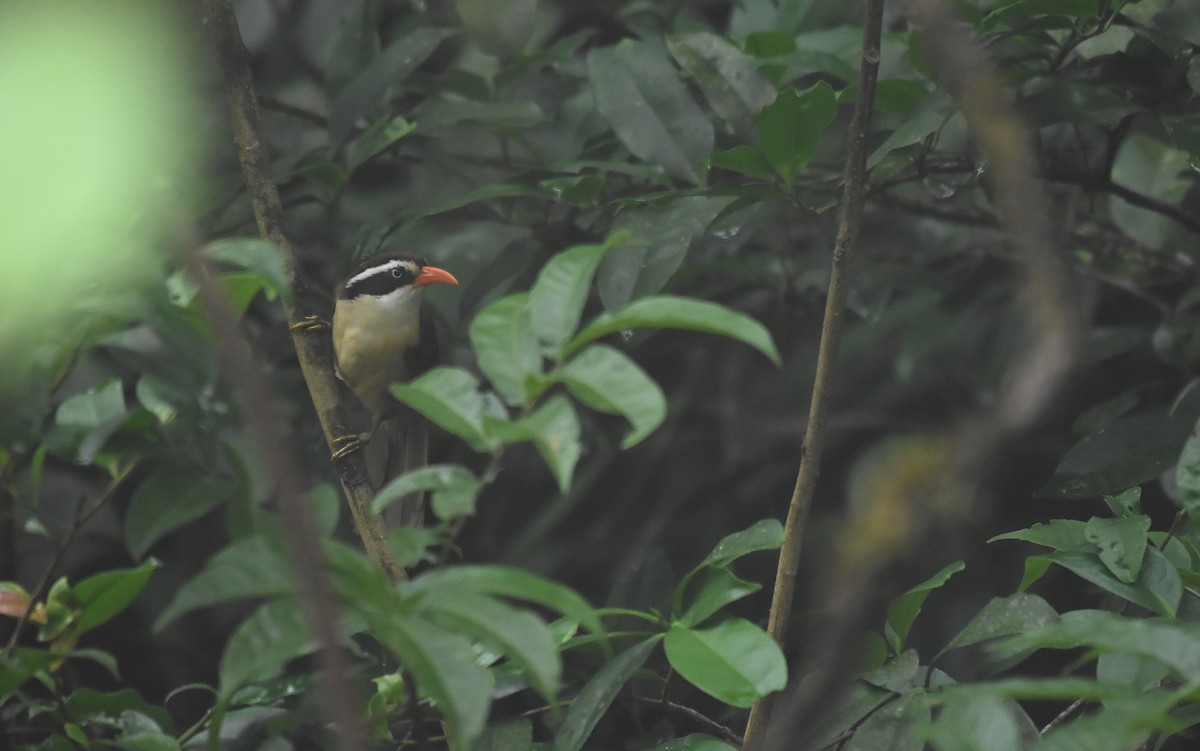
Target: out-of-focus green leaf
{"points": [[505, 346], [518, 635], [506, 581], [666, 311], [451, 399], [554, 429], [977, 723], [254, 255], [896, 726], [1125, 504], [93, 409], [729, 78], [905, 608], [361, 95], [911, 131], [744, 159], [251, 567], [454, 489], [103, 596], [694, 742], [167, 500], [380, 135], [261, 645], [733, 661], [790, 128], [1158, 587], [499, 27], [658, 241], [639, 92], [354, 46], [598, 694]]}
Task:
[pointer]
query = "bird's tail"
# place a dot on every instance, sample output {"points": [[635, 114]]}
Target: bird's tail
{"points": [[400, 444]]}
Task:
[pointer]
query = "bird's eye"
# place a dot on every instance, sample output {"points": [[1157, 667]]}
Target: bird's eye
{"points": [[397, 273]]}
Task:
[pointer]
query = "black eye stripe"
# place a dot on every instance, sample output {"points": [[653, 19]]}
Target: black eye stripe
{"points": [[381, 281]]}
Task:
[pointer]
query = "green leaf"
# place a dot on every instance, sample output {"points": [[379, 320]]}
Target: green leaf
{"points": [[168, 499], [905, 608], [251, 567], [895, 726], [1127, 503], [20, 666], [261, 645], [362, 94], [451, 399], [506, 581], [444, 667], [744, 159], [694, 742], [1121, 543], [505, 346], [94, 408], [665, 311], [561, 290], [1119, 455], [437, 116], [1120, 724], [1029, 8], [1187, 475], [355, 45], [766, 534], [639, 93], [708, 591], [1003, 616], [454, 489], [510, 736], [554, 430], [1158, 587], [658, 241], [911, 131], [379, 136], [1058, 534], [976, 723], [498, 27], [734, 661], [103, 596], [255, 255], [516, 634], [606, 380], [729, 78], [790, 128], [598, 694], [1173, 643]]}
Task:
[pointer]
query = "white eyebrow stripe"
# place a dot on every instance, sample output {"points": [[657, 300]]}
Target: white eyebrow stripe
{"points": [[373, 271]]}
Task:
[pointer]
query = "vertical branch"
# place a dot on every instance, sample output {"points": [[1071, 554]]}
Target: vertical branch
{"points": [[313, 352], [845, 246]]}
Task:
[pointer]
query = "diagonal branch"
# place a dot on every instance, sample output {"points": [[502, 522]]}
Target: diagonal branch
{"points": [[844, 249], [314, 352]]}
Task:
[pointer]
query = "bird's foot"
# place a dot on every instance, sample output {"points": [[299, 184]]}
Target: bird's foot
{"points": [[345, 445], [310, 324]]}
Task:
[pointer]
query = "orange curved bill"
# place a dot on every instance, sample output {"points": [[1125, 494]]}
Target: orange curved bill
{"points": [[433, 275]]}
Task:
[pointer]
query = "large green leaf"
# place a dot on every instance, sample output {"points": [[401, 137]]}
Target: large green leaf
{"points": [[454, 489], [733, 661], [518, 635], [251, 567], [598, 694], [666, 311], [94, 408], [708, 591], [510, 582], [1003, 616], [1119, 455], [766, 534], [554, 429], [1187, 474], [354, 46], [606, 380], [499, 27], [658, 242], [450, 398], [1174, 643], [1120, 543], [560, 292], [1158, 587], [505, 347], [103, 596], [976, 723], [639, 92], [911, 131], [790, 128], [167, 500], [361, 95], [729, 78], [261, 645]]}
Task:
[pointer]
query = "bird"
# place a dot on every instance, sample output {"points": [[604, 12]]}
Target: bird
{"points": [[382, 334]]}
